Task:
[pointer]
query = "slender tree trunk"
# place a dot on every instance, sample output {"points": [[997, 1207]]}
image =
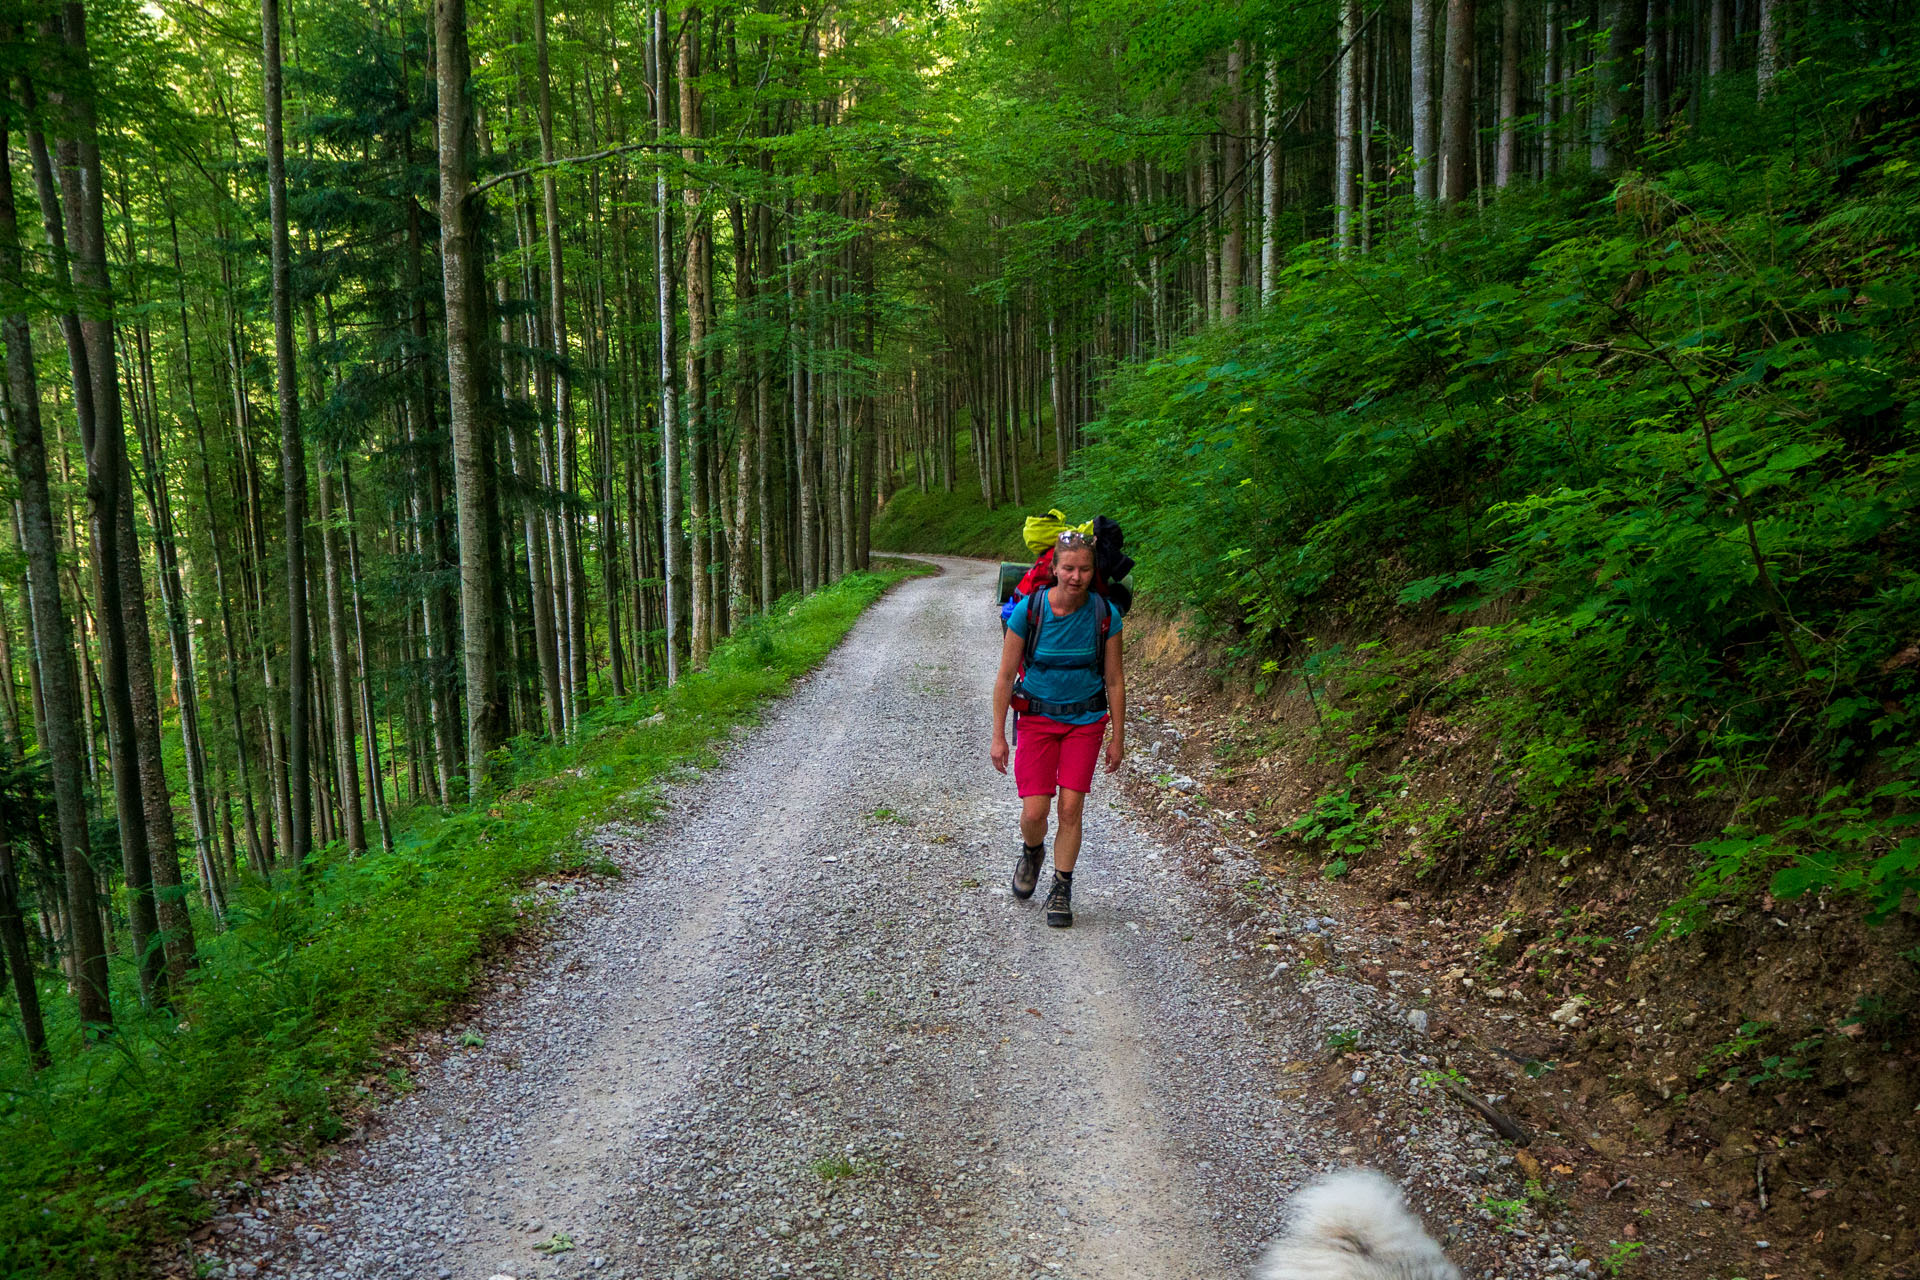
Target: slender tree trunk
{"points": [[65, 750], [575, 583], [372, 740], [1506, 162], [1456, 107], [98, 411], [1615, 97], [1657, 78], [1426, 166], [180, 650], [1270, 195], [293, 453], [1551, 124], [1209, 238], [346, 758], [1768, 58], [1233, 153], [695, 271], [1345, 124], [460, 256], [13, 945], [804, 426], [674, 570], [763, 415]]}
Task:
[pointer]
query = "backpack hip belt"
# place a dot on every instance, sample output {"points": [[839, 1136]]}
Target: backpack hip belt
{"points": [[1041, 707]]}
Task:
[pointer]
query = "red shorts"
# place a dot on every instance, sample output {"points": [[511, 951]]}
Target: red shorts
{"points": [[1048, 754]]}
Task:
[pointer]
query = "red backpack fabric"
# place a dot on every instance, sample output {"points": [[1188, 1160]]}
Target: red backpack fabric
{"points": [[1041, 575]]}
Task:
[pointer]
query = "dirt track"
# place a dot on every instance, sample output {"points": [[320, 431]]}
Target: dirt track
{"points": [[810, 1031]]}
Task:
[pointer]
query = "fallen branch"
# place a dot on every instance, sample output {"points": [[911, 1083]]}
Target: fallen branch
{"points": [[1503, 1124]]}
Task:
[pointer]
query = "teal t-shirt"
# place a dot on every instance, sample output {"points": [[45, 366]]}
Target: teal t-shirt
{"points": [[1067, 641]]}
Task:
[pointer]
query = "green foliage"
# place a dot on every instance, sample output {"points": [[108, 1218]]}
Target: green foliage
{"points": [[1740, 1058], [1619, 1255], [959, 523], [1656, 441], [1343, 822], [298, 998]]}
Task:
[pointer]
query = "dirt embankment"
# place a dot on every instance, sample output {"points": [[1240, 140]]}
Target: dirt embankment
{"points": [[1746, 1094]]}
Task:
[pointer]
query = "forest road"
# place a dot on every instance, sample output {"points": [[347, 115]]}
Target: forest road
{"points": [[809, 1031]]}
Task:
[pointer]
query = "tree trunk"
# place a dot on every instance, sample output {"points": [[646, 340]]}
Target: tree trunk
{"points": [[674, 569], [1456, 106], [19, 962], [695, 270], [1209, 231], [1551, 125], [1270, 190], [375, 791], [574, 593], [1506, 160], [467, 411], [763, 414], [1346, 116], [93, 363], [180, 651], [1616, 100], [1233, 153], [1657, 80], [1768, 58], [1426, 168], [52, 637], [346, 762], [293, 453]]}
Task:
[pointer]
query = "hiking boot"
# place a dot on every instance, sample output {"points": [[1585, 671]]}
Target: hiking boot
{"points": [[1060, 904], [1026, 872]]}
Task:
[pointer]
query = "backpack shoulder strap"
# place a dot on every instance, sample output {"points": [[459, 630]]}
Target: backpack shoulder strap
{"points": [[1032, 638], [1100, 636]]}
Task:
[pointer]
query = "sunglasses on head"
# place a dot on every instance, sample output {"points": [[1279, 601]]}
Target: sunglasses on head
{"points": [[1075, 538]]}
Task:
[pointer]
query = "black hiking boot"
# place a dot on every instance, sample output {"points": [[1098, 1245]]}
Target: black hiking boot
{"points": [[1060, 902], [1026, 872]]}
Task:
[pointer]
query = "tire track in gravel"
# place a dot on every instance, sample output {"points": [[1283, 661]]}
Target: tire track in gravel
{"points": [[810, 1032]]}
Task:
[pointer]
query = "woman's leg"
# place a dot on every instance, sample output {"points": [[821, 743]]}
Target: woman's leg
{"points": [[1066, 838], [1033, 819]]}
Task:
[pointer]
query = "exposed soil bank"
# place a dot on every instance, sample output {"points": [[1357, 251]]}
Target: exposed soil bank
{"points": [[1738, 1102]]}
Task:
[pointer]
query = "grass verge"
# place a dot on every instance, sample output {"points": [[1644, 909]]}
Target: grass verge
{"points": [[282, 1033]]}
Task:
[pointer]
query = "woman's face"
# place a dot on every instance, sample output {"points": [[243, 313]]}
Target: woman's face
{"points": [[1073, 569]]}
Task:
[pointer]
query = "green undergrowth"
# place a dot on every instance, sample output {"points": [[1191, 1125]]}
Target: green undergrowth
{"points": [[1635, 461], [283, 1031], [959, 523]]}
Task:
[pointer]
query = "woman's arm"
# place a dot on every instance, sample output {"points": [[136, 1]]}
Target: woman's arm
{"points": [[1116, 705], [1011, 649]]}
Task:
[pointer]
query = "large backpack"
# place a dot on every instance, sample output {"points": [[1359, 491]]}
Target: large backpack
{"points": [[1111, 565]]}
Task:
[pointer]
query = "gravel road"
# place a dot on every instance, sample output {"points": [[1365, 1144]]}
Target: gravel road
{"points": [[809, 1031]]}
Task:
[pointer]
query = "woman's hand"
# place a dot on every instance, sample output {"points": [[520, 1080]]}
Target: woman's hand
{"points": [[1000, 752], [1116, 752]]}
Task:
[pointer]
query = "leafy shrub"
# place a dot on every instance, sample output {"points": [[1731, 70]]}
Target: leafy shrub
{"points": [[1658, 437]]}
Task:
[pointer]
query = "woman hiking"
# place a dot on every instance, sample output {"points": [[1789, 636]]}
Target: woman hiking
{"points": [[1071, 686]]}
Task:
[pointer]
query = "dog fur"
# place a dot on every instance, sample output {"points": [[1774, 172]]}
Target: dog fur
{"points": [[1354, 1225]]}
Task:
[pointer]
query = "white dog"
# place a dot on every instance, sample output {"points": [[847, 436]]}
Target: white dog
{"points": [[1353, 1225]]}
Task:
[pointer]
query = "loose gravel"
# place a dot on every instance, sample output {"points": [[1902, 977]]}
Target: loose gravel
{"points": [[808, 1031]]}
